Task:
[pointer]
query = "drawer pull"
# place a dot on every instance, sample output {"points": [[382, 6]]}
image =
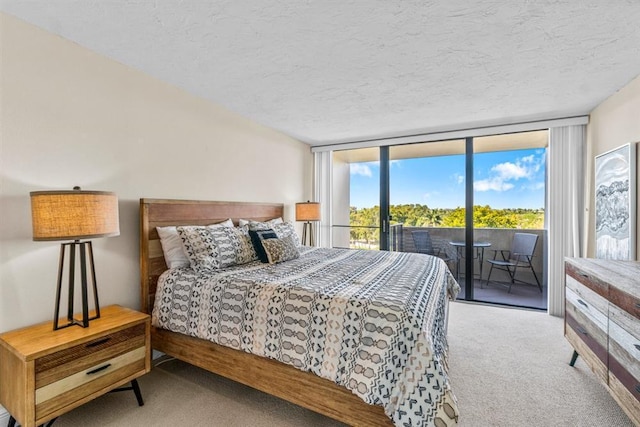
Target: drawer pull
{"points": [[582, 331], [584, 275], [637, 346], [102, 341], [101, 368], [583, 303], [638, 305], [638, 388]]}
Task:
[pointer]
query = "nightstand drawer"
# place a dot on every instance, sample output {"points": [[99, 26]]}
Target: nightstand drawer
{"points": [[67, 390], [45, 373], [64, 363]]}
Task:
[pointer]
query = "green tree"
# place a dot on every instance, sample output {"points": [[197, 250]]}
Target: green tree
{"points": [[483, 217]]}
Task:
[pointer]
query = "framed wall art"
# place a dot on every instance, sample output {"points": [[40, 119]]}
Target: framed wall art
{"points": [[615, 203]]}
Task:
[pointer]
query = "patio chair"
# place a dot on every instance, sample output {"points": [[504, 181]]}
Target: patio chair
{"points": [[424, 245], [515, 259]]}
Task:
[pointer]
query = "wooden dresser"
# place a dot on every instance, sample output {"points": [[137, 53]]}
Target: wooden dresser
{"points": [[602, 323]]}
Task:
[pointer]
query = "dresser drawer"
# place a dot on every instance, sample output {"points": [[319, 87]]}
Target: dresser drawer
{"points": [[624, 339], [628, 303], [625, 388], [587, 300], [624, 356], [586, 328], [592, 282], [65, 376]]}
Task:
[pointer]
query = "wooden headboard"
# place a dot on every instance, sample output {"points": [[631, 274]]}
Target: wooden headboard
{"points": [[164, 212]]}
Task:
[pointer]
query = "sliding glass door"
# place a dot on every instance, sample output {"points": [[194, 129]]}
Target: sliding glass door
{"points": [[427, 189], [462, 200], [509, 204]]}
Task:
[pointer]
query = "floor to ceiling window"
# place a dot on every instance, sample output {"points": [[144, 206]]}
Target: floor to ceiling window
{"points": [[396, 197], [356, 199], [509, 208]]}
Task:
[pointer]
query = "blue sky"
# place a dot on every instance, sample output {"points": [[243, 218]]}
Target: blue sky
{"points": [[505, 179]]}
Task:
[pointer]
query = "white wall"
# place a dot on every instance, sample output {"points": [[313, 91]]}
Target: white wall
{"points": [[72, 117], [614, 122]]}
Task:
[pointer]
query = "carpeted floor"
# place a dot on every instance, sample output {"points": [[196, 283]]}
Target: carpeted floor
{"points": [[508, 367]]}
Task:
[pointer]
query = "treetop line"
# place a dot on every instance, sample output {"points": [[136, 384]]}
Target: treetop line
{"points": [[416, 215]]}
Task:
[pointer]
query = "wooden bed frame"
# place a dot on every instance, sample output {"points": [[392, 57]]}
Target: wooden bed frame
{"points": [[270, 376]]}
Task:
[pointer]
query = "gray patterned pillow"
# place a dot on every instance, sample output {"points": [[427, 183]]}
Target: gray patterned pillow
{"points": [[213, 248], [286, 229], [279, 250], [282, 229]]}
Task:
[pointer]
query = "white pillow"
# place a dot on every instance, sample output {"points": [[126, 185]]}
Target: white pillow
{"points": [[243, 222], [171, 243]]}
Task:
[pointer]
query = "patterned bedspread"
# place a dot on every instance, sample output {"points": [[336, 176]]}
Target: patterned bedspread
{"points": [[371, 321]]}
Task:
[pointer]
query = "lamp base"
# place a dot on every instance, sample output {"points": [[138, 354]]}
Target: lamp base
{"points": [[85, 250], [307, 230]]}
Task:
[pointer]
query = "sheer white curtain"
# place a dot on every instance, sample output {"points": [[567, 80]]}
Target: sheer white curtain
{"points": [[565, 206], [322, 189]]}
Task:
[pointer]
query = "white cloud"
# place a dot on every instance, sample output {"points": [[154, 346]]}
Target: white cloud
{"points": [[508, 170], [535, 186], [360, 169], [528, 159], [502, 175], [495, 184], [458, 178]]}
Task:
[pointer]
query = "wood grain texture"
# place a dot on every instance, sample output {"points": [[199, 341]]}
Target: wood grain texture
{"points": [[626, 399], [586, 299], [165, 212], [37, 341], [76, 396], [625, 275], [618, 363], [587, 279], [89, 375], [588, 353], [108, 342], [16, 384], [21, 350], [273, 377], [624, 340], [56, 373]]}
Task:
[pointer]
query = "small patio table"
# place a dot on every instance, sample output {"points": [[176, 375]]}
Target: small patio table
{"points": [[478, 246]]}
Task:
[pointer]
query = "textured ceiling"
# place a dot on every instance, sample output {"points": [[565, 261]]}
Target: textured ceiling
{"points": [[333, 71]]}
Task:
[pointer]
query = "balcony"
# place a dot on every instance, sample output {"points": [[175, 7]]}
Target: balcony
{"points": [[523, 295]]}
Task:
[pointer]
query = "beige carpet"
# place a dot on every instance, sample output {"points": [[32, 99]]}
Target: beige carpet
{"points": [[508, 368]]}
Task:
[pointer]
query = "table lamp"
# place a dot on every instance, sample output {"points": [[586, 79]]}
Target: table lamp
{"points": [[74, 215], [308, 211]]}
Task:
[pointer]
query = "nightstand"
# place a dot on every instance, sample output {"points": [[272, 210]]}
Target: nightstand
{"points": [[45, 373]]}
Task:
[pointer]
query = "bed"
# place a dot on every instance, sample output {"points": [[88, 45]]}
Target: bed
{"points": [[300, 385]]}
